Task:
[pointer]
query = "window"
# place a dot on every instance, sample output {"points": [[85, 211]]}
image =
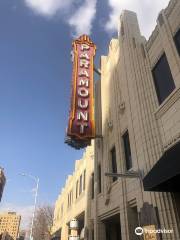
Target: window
{"points": [[62, 207], [177, 41], [163, 80], [99, 177], [71, 197], [127, 151], [84, 180], [92, 182], [80, 185], [77, 188], [68, 199], [114, 162]]}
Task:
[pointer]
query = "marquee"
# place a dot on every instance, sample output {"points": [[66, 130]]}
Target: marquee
{"points": [[81, 124]]}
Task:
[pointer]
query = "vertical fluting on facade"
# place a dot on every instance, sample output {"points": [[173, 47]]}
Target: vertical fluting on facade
{"points": [[129, 101]]}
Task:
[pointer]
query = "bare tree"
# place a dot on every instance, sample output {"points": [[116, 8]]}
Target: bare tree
{"points": [[22, 235], [43, 222]]}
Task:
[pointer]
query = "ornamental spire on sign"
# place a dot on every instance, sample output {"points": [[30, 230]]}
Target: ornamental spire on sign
{"points": [[81, 124]]}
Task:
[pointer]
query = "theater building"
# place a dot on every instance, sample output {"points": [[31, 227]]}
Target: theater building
{"points": [[137, 114], [73, 207], [137, 119]]}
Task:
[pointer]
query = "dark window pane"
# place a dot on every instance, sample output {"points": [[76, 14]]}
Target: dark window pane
{"points": [[71, 196], [84, 183], [127, 150], [99, 177], [113, 162], [163, 80], [77, 189], [80, 185], [177, 41], [92, 191]]}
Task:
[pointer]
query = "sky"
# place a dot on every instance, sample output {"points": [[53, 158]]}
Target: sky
{"points": [[35, 78]]}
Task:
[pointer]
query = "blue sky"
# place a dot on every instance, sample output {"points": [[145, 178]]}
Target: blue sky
{"points": [[35, 77]]}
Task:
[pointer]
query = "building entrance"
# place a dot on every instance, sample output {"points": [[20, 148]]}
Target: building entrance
{"points": [[113, 228]]}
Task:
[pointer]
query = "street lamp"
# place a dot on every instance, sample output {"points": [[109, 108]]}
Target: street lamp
{"points": [[36, 179]]}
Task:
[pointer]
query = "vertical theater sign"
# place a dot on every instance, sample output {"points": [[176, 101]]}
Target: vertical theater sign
{"points": [[81, 124]]}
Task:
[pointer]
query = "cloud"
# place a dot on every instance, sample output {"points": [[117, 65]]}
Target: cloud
{"points": [[24, 211], [48, 7], [79, 13], [147, 12], [82, 19]]}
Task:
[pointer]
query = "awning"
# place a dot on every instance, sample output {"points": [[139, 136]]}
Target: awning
{"points": [[165, 174]]}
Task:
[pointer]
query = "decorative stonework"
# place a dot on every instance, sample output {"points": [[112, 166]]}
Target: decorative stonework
{"points": [[110, 125], [167, 103], [172, 141], [122, 107]]}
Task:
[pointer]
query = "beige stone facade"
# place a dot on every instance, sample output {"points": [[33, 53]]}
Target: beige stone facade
{"points": [[74, 200], [137, 125], [127, 105], [9, 224]]}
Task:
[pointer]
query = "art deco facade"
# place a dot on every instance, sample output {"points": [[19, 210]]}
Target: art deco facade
{"points": [[138, 115], [74, 202], [9, 224]]}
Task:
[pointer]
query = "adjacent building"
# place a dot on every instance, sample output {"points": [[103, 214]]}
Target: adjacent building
{"points": [[2, 182], [74, 202], [9, 224]]}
